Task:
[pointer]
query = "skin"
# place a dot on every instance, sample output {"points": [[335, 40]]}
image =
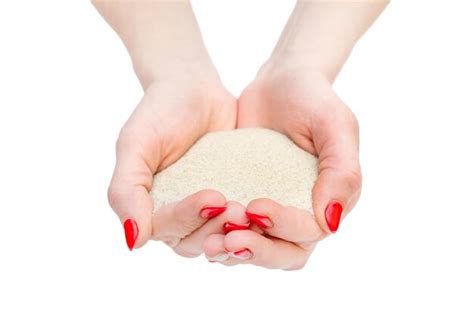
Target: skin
{"points": [[185, 99]]}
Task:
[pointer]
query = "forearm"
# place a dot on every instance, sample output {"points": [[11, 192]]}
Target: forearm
{"points": [[321, 34], [160, 36]]}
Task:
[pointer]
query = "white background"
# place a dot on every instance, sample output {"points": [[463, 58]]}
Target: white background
{"points": [[67, 86]]}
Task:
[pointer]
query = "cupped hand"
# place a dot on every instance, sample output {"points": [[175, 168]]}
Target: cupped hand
{"points": [[298, 101], [177, 109]]}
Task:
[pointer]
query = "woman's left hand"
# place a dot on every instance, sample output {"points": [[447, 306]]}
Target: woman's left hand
{"points": [[299, 102]]}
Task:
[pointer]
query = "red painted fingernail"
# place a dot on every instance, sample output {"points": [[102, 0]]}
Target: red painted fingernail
{"points": [[210, 212], [259, 220], [242, 254], [333, 215], [131, 232], [230, 226]]}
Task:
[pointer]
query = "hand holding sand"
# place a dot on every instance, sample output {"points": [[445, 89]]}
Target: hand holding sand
{"points": [[184, 99], [293, 94], [302, 105], [168, 120]]}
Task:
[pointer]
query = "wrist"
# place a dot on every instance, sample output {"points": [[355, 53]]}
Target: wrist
{"points": [[160, 36], [302, 50], [321, 34], [177, 67], [294, 64]]}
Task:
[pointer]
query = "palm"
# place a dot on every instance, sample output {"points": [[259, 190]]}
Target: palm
{"points": [[173, 115], [302, 104], [299, 104]]}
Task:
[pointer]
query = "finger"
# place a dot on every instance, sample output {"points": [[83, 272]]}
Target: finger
{"points": [[249, 247], [180, 219], [339, 180], [137, 158], [233, 218], [284, 222], [213, 248]]}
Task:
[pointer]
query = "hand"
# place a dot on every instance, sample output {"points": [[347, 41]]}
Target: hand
{"points": [[184, 99], [175, 111], [299, 102]]}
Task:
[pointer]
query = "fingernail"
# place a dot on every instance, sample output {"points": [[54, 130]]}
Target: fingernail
{"points": [[333, 215], [241, 254], [230, 226], [131, 232], [218, 258], [259, 220], [209, 212]]}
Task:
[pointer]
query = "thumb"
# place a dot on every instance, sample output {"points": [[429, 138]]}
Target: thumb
{"points": [[334, 194], [339, 181], [129, 188]]}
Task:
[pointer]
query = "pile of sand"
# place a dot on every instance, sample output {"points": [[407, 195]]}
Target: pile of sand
{"points": [[242, 164]]}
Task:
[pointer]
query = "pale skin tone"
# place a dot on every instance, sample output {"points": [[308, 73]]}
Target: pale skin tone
{"points": [[184, 99]]}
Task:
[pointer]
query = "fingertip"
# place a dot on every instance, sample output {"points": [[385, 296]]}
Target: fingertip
{"points": [[131, 232], [260, 212], [326, 215], [133, 206], [329, 217], [260, 206], [210, 203], [137, 232], [332, 215], [332, 195], [211, 211], [210, 197]]}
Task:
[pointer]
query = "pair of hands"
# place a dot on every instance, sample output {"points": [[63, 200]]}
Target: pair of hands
{"points": [[189, 101]]}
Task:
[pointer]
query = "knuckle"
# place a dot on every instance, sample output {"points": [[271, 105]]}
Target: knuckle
{"points": [[355, 124], [123, 138], [126, 137], [353, 179], [348, 118], [114, 195], [184, 224], [352, 121]]}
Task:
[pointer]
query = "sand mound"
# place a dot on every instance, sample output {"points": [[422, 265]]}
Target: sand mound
{"points": [[243, 164]]}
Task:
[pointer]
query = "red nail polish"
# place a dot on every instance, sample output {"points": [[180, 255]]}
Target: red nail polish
{"points": [[230, 226], [242, 254], [333, 215], [210, 212], [259, 220], [131, 232]]}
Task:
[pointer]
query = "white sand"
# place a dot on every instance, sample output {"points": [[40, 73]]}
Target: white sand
{"points": [[243, 164]]}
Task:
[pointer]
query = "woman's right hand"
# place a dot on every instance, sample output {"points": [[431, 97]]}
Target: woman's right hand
{"points": [[176, 110]]}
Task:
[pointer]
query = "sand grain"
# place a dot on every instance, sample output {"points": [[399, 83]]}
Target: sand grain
{"points": [[243, 164]]}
